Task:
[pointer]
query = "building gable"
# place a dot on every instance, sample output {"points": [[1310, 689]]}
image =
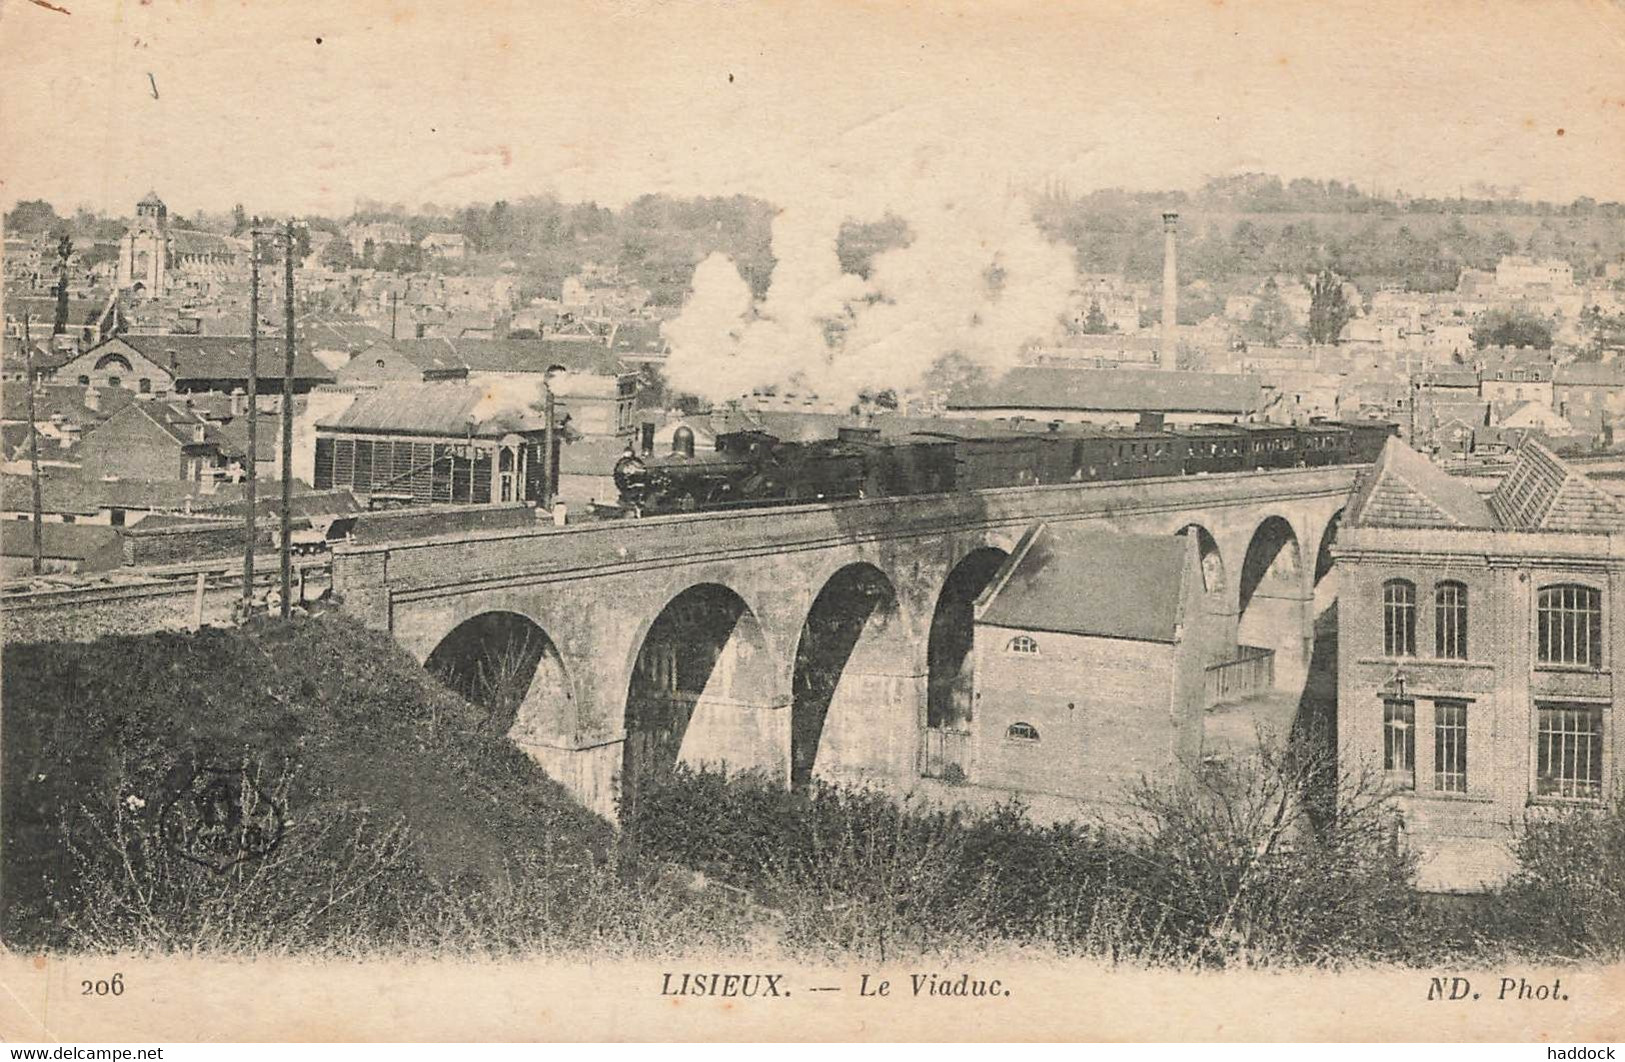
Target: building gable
{"points": [[100, 365], [1393, 502], [133, 445], [1541, 493], [1405, 489]]}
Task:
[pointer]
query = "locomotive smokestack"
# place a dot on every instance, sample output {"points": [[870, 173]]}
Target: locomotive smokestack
{"points": [[1170, 288]]}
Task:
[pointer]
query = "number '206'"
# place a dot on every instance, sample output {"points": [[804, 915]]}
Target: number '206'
{"points": [[113, 986]]}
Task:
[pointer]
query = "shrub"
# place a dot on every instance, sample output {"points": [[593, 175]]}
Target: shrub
{"points": [[410, 824], [1567, 895], [1246, 865], [1230, 867]]}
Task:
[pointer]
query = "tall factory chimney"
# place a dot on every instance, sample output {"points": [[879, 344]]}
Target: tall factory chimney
{"points": [[1170, 289]]}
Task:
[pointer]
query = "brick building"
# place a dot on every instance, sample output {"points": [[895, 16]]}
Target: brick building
{"points": [[1477, 643], [160, 441], [158, 364]]}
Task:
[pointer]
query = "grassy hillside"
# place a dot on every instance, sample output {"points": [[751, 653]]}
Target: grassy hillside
{"points": [[409, 822], [404, 822]]}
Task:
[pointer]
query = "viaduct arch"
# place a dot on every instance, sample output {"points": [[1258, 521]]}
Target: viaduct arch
{"points": [[823, 641]]}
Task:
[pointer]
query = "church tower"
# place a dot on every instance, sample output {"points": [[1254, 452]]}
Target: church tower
{"points": [[143, 258]]}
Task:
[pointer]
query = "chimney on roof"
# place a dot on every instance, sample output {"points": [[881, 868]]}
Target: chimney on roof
{"points": [[93, 399], [1170, 288], [239, 402], [174, 359]]}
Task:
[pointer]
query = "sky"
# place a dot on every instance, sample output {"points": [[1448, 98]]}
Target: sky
{"points": [[295, 106]]}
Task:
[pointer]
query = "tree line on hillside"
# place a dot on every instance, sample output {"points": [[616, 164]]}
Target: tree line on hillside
{"points": [[1236, 229]]}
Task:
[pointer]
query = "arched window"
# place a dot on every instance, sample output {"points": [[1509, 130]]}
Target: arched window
{"points": [[1450, 621], [1023, 645], [113, 361], [1021, 732], [1399, 618], [1568, 624]]}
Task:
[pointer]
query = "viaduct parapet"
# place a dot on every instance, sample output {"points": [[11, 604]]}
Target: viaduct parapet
{"points": [[753, 620]]}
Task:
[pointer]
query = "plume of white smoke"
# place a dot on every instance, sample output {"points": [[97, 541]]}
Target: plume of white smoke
{"points": [[978, 278], [513, 404]]}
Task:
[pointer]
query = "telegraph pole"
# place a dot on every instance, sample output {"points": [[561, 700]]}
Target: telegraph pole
{"points": [[33, 449], [251, 493], [287, 423], [549, 447]]}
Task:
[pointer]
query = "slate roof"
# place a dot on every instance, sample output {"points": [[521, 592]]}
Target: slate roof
{"points": [[232, 438], [440, 409], [41, 311], [179, 422], [1110, 390], [1091, 582], [328, 334], [69, 401], [61, 541], [1542, 493], [71, 491], [1589, 374], [1405, 489], [221, 357], [58, 494], [509, 355], [304, 505], [191, 241], [638, 338]]}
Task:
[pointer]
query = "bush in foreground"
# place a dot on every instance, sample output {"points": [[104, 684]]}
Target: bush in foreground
{"points": [[406, 823], [1567, 896], [1225, 869]]}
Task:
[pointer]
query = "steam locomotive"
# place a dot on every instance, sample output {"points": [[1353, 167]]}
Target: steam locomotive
{"points": [[907, 455]]}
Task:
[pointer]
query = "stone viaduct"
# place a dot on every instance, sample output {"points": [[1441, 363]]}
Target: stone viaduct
{"points": [[811, 640]]}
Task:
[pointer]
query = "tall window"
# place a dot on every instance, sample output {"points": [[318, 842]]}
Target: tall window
{"points": [[1399, 742], [1450, 746], [1568, 751], [1398, 618], [1450, 621], [1569, 625]]}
